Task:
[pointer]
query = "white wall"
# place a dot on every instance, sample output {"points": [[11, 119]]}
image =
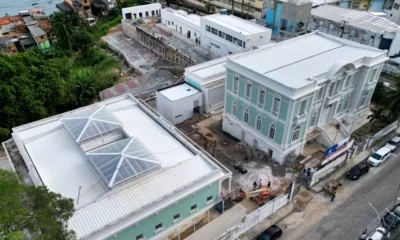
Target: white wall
{"points": [[226, 47], [143, 9], [164, 106], [176, 20], [213, 97]]}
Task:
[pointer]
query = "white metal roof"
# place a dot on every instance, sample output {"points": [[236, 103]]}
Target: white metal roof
{"points": [[207, 70], [179, 92], [64, 168], [184, 16], [293, 61], [359, 19], [236, 24], [111, 210]]}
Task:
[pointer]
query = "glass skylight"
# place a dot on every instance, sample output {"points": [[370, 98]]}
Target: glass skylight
{"points": [[122, 160], [90, 123]]}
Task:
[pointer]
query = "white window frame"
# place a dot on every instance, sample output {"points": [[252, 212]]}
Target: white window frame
{"points": [[193, 210], [272, 131], [363, 100], [320, 94], [210, 201], [159, 229], [346, 103], [234, 109], [277, 99], [236, 83], [299, 112], [347, 81], [177, 219], [340, 106], [296, 134], [258, 123], [374, 72], [246, 115], [261, 96], [246, 90]]}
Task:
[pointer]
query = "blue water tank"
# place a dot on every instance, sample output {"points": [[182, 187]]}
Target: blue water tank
{"points": [[224, 11]]}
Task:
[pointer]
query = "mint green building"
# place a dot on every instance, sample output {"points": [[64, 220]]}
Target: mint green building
{"points": [[315, 86], [131, 174]]}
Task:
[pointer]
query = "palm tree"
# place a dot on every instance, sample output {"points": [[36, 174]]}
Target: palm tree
{"points": [[376, 116], [84, 86], [61, 28], [392, 101]]}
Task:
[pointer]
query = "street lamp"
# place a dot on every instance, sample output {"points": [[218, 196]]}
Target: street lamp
{"points": [[377, 214]]}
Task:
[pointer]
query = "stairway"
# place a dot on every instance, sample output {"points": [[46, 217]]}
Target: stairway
{"points": [[333, 134]]}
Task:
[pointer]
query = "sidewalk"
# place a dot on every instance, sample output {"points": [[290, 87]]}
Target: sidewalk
{"points": [[267, 222], [353, 162]]}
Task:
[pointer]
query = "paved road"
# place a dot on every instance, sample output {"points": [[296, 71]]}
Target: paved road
{"points": [[350, 217]]}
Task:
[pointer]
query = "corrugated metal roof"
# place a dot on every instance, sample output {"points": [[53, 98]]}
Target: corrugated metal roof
{"points": [[112, 209], [36, 31]]}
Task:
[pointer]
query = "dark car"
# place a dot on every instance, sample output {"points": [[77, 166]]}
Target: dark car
{"points": [[392, 218], [271, 233], [357, 171], [241, 169]]}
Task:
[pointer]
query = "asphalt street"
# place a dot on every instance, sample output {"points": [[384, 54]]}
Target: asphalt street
{"points": [[347, 221]]}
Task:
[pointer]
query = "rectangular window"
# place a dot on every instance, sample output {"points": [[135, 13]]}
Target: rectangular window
{"points": [[320, 93], [396, 6], [363, 100], [332, 89], [346, 103], [258, 123], [347, 81], [172, 23], [234, 40], [261, 98], [239, 42], [321, 23], [177, 217], [296, 134], [221, 34], [302, 107], [208, 28], [275, 107], [234, 110], [339, 109], [374, 75], [159, 227], [235, 84], [244, 44], [228, 37], [337, 87], [193, 208], [248, 90], [139, 237], [210, 198], [214, 31], [313, 119], [246, 116], [272, 131]]}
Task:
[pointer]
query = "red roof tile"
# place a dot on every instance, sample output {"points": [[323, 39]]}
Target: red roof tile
{"points": [[15, 18], [4, 21]]}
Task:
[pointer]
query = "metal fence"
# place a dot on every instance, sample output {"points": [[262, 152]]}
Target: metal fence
{"points": [[254, 218]]}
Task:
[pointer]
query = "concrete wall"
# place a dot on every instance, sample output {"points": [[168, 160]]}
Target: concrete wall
{"points": [[143, 11], [213, 97], [166, 216], [170, 20]]}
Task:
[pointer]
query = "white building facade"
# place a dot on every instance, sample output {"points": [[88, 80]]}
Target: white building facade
{"points": [[143, 11], [276, 103], [225, 34], [182, 22]]}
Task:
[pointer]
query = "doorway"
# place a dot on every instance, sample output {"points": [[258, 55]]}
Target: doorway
{"points": [[270, 152], [188, 34], [180, 29]]}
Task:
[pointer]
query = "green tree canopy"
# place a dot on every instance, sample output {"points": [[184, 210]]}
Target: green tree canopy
{"points": [[81, 41], [34, 209]]}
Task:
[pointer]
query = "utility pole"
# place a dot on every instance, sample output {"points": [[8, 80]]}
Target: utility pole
{"points": [[344, 24]]}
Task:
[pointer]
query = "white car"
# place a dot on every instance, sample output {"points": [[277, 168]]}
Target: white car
{"points": [[393, 143], [379, 234], [379, 156]]}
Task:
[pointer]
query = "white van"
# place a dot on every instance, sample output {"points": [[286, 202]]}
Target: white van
{"points": [[379, 234], [393, 143], [379, 156]]}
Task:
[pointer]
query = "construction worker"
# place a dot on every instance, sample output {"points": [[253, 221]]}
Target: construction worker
{"points": [[269, 185], [333, 197], [259, 183], [254, 185]]}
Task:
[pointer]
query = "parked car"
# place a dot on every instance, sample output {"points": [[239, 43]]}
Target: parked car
{"points": [[379, 234], [379, 156], [240, 168], [271, 233], [392, 218], [357, 171], [393, 143]]}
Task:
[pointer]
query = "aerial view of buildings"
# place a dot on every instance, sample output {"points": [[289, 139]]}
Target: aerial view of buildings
{"points": [[200, 120]]}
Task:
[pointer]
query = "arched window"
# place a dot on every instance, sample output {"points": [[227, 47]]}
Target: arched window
{"points": [[296, 133], [234, 109], [272, 131], [258, 123], [246, 116]]}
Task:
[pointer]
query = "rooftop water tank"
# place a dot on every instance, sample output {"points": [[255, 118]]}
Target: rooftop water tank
{"points": [[224, 11]]}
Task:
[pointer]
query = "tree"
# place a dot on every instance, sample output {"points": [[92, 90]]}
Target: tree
{"points": [[391, 101], [209, 7], [81, 40], [36, 210], [379, 93], [84, 84], [61, 28], [377, 116]]}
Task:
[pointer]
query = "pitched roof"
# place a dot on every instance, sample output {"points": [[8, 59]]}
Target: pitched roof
{"points": [[4, 21], [36, 30], [15, 18], [8, 28]]}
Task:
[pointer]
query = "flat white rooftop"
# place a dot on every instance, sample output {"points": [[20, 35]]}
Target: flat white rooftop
{"points": [[64, 168], [184, 16], [236, 24], [293, 61], [179, 91], [209, 71], [356, 18]]}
